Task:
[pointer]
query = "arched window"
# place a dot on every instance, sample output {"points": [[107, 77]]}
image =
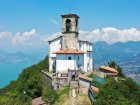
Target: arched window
{"points": [[68, 25]]}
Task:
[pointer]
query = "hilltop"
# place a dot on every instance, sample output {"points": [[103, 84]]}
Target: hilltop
{"points": [[31, 84]]}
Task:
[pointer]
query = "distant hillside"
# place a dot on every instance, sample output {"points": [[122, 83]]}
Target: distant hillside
{"points": [[6, 57], [121, 52], [126, 54]]}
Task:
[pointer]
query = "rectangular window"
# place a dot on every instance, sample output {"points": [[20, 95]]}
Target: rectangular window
{"points": [[69, 58]]}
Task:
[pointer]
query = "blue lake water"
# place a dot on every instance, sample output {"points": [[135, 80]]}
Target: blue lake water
{"points": [[10, 72]]}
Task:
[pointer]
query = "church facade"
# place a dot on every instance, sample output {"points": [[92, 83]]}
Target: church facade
{"points": [[67, 51]]}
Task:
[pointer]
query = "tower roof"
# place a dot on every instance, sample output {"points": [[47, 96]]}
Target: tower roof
{"points": [[70, 15]]}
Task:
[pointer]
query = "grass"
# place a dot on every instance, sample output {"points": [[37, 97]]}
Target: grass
{"points": [[62, 94], [90, 75]]}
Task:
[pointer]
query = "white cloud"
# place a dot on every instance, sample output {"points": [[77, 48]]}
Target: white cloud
{"points": [[111, 35], [22, 38], [32, 40], [21, 41], [5, 35], [5, 38], [54, 21]]}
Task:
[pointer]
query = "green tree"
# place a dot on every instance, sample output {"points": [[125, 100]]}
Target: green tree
{"points": [[50, 95], [121, 92], [116, 66]]}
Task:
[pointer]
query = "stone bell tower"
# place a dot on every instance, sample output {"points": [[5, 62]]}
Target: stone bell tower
{"points": [[70, 31]]}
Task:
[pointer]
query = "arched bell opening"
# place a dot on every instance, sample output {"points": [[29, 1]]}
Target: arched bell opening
{"points": [[68, 25]]}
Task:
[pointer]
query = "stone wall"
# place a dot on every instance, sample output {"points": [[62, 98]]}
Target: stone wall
{"points": [[70, 40]]}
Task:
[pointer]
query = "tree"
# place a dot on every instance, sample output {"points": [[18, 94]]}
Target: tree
{"points": [[116, 66], [49, 95], [112, 64], [121, 92]]}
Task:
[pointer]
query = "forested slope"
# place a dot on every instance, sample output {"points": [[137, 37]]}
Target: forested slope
{"points": [[29, 85]]}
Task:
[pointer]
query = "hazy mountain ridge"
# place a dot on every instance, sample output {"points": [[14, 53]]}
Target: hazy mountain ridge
{"points": [[6, 57], [126, 54]]}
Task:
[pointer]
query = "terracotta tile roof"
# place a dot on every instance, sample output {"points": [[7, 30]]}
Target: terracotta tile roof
{"points": [[69, 51], [38, 101], [108, 69]]}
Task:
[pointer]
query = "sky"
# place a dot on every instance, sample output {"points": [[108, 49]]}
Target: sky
{"points": [[26, 24]]}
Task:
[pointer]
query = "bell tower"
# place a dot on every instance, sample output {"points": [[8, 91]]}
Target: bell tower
{"points": [[70, 31]]}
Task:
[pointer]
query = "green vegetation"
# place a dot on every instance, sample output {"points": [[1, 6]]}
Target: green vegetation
{"points": [[50, 95], [90, 75], [54, 96], [61, 93], [29, 85], [124, 91], [114, 65]]}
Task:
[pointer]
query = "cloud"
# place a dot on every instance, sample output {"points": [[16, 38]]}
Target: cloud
{"points": [[5, 35], [111, 35], [31, 40], [5, 38], [21, 41], [22, 38], [54, 21]]}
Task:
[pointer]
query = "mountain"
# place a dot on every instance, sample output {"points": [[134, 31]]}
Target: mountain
{"points": [[125, 54], [6, 57], [120, 52]]}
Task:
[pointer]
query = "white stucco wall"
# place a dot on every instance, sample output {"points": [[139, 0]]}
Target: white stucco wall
{"points": [[54, 46], [63, 64], [88, 60]]}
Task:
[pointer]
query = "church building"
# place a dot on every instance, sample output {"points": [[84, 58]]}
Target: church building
{"points": [[67, 51]]}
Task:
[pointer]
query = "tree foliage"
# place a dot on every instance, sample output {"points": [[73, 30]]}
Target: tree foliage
{"points": [[29, 85], [121, 92], [50, 95], [116, 66]]}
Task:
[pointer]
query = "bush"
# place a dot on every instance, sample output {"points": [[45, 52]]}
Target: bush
{"points": [[50, 96], [123, 92]]}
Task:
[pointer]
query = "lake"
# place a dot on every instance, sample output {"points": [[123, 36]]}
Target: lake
{"points": [[10, 72]]}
